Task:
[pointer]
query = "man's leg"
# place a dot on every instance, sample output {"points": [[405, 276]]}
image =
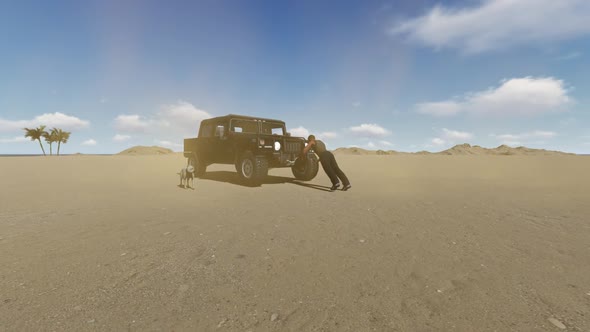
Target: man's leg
{"points": [[338, 171], [327, 166]]}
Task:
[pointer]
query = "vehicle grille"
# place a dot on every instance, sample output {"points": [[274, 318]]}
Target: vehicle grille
{"points": [[293, 147]]}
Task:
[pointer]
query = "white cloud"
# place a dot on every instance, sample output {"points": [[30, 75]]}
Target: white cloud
{"points": [[438, 141], [169, 144], [181, 119], [442, 108], [327, 135], [89, 142], [385, 143], [454, 135], [369, 130], [525, 136], [132, 123], [299, 132], [57, 119], [450, 137], [517, 96], [121, 138], [356, 104], [17, 139], [382, 145], [497, 24], [531, 137], [544, 134]]}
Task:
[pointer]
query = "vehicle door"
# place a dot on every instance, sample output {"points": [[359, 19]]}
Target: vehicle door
{"points": [[216, 142]]}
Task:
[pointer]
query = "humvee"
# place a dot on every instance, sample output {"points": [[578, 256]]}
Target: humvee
{"points": [[254, 145]]}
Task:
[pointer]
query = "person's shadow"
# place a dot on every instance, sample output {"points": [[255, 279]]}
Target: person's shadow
{"points": [[234, 178]]}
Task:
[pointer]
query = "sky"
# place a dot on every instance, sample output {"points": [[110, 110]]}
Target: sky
{"points": [[394, 75]]}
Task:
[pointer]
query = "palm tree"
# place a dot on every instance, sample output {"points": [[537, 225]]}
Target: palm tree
{"points": [[62, 137], [50, 138], [35, 134]]}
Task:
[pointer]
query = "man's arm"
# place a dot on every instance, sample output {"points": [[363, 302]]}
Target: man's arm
{"points": [[306, 149]]}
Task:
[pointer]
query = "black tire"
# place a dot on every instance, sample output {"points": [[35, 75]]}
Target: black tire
{"points": [[252, 169], [306, 169], [198, 164]]}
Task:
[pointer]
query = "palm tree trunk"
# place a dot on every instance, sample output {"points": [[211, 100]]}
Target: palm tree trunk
{"points": [[42, 147], [58, 145], [50, 150]]}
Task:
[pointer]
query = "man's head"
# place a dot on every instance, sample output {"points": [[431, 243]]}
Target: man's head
{"points": [[311, 138]]}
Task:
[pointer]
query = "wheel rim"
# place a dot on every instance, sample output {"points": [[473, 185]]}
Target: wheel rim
{"points": [[247, 168]]}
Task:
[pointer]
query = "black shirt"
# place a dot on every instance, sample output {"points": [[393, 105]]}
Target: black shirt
{"points": [[319, 147]]}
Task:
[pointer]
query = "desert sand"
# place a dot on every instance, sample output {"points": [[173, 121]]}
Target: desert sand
{"points": [[420, 243]]}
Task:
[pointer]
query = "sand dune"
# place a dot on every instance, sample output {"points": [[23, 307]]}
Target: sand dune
{"points": [[145, 150], [420, 243]]}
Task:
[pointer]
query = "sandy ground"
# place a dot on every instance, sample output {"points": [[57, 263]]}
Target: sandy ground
{"points": [[420, 243]]}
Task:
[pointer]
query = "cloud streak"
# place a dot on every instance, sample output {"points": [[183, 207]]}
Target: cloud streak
{"points": [[524, 138], [528, 135], [89, 142], [454, 135], [171, 124], [497, 24], [121, 138], [17, 139], [449, 136], [299, 132], [180, 118], [369, 130], [57, 119], [517, 96]]}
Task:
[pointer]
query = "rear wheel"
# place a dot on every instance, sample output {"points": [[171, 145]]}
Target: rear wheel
{"points": [[198, 164], [305, 169], [252, 169]]}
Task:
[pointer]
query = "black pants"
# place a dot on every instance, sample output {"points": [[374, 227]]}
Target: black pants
{"points": [[331, 168]]}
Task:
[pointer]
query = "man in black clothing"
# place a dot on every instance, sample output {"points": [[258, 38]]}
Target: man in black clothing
{"points": [[328, 163]]}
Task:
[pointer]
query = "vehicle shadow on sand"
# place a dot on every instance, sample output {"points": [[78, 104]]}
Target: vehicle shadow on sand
{"points": [[234, 178]]}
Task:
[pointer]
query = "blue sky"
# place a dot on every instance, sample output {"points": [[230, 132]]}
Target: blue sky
{"points": [[402, 75]]}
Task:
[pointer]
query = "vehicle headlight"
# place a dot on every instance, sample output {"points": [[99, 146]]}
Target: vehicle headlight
{"points": [[277, 146]]}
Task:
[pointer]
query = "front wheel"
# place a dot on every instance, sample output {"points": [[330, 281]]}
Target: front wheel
{"points": [[305, 169], [252, 169], [198, 164]]}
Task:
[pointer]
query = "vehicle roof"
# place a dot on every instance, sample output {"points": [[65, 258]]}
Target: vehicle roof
{"points": [[244, 117]]}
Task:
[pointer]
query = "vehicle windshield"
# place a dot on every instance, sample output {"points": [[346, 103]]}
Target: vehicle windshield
{"points": [[244, 126], [273, 128]]}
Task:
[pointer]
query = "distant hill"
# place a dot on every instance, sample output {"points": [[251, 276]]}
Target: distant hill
{"points": [[145, 150], [466, 149], [363, 152], [460, 149]]}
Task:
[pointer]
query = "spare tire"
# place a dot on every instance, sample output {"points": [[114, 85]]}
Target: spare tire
{"points": [[305, 169]]}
